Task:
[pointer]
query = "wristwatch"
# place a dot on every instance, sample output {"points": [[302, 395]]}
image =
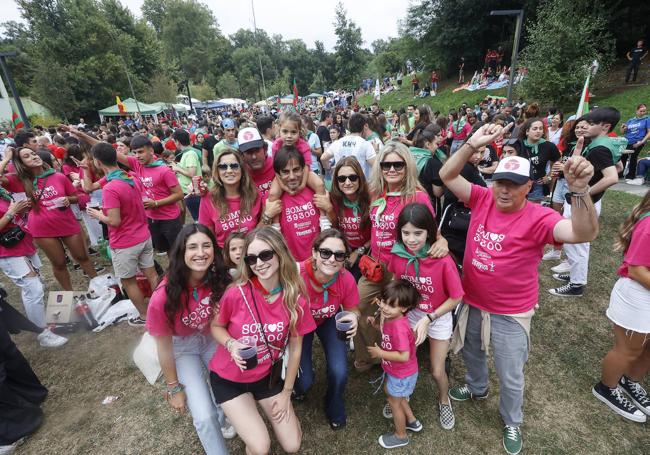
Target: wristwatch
{"points": [[361, 250]]}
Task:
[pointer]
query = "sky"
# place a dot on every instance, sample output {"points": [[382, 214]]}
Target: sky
{"points": [[309, 20]]}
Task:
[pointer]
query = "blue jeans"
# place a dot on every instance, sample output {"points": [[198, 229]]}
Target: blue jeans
{"points": [[192, 355], [536, 192], [642, 168], [337, 369]]}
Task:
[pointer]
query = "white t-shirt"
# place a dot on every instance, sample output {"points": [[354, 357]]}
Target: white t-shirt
{"points": [[357, 147], [314, 143], [554, 137]]}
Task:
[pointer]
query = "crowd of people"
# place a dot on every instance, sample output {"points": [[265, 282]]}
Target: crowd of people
{"points": [[372, 229]]}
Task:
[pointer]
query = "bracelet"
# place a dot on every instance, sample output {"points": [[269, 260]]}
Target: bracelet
{"points": [[178, 388], [228, 344], [287, 389], [471, 146], [432, 316], [171, 384], [580, 196], [155, 203], [9, 216], [267, 220]]}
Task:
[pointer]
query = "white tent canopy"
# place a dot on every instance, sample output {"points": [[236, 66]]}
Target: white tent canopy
{"points": [[232, 101]]}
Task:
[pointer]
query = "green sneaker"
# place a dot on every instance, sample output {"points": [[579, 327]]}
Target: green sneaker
{"points": [[512, 440], [462, 393]]}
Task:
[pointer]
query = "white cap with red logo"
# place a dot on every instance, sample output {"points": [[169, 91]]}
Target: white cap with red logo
{"points": [[249, 138], [513, 168]]}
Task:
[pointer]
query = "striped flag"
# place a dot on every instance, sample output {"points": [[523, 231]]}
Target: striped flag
{"points": [[120, 105], [583, 105], [16, 121], [295, 93]]}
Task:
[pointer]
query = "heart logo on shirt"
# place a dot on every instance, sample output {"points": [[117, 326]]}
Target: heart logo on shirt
{"points": [[324, 310], [272, 327], [494, 237], [305, 207], [422, 280]]}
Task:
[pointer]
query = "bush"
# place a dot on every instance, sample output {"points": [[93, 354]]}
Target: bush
{"points": [[44, 120]]}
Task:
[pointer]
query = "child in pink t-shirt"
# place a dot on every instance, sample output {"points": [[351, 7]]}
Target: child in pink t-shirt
{"points": [[233, 250], [290, 128], [398, 359], [438, 282]]}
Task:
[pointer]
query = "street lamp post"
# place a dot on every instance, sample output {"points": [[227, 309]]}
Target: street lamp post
{"points": [[515, 48], [12, 86]]}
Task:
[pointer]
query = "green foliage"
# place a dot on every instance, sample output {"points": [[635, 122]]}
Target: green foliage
{"points": [[350, 57], [227, 85], [202, 91], [161, 88], [564, 41], [44, 120], [318, 84]]}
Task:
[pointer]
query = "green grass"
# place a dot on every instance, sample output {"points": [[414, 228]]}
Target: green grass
{"points": [[626, 101], [569, 339]]}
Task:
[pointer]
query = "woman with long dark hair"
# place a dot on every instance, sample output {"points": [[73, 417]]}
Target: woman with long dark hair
{"points": [[50, 220], [178, 317], [540, 153]]}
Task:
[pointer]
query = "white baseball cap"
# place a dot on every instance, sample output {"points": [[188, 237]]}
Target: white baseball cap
{"points": [[513, 168], [249, 138]]}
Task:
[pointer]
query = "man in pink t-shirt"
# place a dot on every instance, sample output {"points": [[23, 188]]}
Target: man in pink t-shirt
{"points": [[299, 216], [505, 244], [162, 193], [254, 152], [122, 211]]}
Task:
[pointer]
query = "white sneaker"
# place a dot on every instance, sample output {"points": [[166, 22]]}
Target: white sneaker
{"points": [[552, 255], [228, 431], [562, 267], [637, 181], [49, 339]]}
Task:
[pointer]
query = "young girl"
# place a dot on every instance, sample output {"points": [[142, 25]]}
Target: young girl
{"points": [[233, 249], [439, 285], [290, 128], [625, 366], [398, 359]]}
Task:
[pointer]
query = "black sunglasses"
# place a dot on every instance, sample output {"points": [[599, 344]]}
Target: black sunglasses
{"points": [[225, 166], [397, 165], [325, 254], [342, 178], [264, 256]]}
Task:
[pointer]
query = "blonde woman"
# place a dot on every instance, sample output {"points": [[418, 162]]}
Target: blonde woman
{"points": [[265, 304], [393, 184]]}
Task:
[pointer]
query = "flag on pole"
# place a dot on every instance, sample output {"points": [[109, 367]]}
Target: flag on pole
{"points": [[583, 105], [295, 93], [377, 91], [120, 105], [16, 121]]}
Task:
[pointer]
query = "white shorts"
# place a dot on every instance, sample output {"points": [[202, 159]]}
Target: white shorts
{"points": [[17, 267], [629, 306], [440, 329]]}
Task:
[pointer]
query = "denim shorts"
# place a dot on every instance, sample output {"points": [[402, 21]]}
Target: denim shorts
{"points": [[536, 192], [561, 189], [401, 387]]}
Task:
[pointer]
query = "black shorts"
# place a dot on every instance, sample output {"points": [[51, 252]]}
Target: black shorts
{"points": [[164, 232], [225, 390]]}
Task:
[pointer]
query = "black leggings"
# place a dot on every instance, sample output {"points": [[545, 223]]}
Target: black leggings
{"points": [[634, 158]]}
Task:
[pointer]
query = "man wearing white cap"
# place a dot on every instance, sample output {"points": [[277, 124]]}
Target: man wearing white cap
{"points": [[505, 243], [259, 165]]}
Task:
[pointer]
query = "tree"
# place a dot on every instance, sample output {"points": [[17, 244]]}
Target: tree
{"points": [[318, 84], [161, 88], [227, 85], [350, 57], [556, 73]]}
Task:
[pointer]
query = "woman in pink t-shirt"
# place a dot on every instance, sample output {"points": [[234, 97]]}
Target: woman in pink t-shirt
{"points": [[331, 288], [178, 317], [351, 209], [233, 204], [50, 220], [264, 314], [626, 365]]}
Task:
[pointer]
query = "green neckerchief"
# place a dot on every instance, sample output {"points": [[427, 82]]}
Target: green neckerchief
{"points": [[119, 174], [644, 215], [458, 125], [47, 173], [372, 136], [156, 163], [616, 145], [421, 157], [534, 147], [441, 155], [381, 202], [400, 250], [4, 194], [354, 205]]}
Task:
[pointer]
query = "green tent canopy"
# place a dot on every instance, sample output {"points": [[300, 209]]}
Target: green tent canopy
{"points": [[131, 108], [181, 108]]}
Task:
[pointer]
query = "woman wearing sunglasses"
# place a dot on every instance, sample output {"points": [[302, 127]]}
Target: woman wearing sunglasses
{"points": [[351, 206], [330, 287], [393, 185], [265, 305], [233, 204]]}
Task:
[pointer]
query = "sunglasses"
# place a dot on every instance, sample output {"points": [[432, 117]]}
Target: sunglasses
{"points": [[396, 165], [342, 178], [325, 254], [264, 256], [226, 166]]}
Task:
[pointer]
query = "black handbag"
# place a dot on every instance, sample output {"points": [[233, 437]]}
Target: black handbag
{"points": [[456, 218], [12, 237]]}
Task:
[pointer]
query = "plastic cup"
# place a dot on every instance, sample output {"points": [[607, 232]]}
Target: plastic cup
{"points": [[343, 326], [247, 350]]}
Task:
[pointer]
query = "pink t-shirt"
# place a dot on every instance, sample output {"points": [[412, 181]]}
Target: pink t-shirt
{"points": [[343, 292], [396, 335], [264, 177], [23, 248], [438, 279], [193, 318], [209, 216], [383, 231], [156, 184], [638, 253], [302, 146], [133, 228], [503, 253], [82, 197], [239, 322], [45, 220], [299, 222], [462, 134], [350, 226]]}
